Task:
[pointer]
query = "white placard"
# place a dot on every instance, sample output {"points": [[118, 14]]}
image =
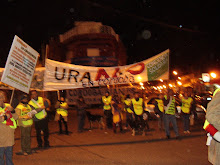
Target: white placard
{"points": [[20, 65]]}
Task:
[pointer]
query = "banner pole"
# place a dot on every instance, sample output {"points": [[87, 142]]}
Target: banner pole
{"points": [[12, 95], [58, 94]]}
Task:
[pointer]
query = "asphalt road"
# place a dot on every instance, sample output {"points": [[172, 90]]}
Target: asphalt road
{"points": [[97, 147]]}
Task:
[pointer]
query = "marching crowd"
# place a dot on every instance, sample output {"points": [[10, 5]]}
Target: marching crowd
{"points": [[33, 110]]}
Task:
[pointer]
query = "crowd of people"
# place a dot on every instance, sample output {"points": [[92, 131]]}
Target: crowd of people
{"points": [[33, 111]]}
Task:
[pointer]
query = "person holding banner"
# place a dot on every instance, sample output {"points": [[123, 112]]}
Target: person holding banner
{"points": [[129, 112], [40, 118], [81, 113], [7, 128], [106, 100], [61, 114], [25, 122], [117, 115]]}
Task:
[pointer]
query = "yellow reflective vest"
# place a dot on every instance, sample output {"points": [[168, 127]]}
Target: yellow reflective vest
{"points": [[62, 111], [172, 108], [186, 104], [2, 111], [128, 103], [39, 103], [160, 104], [107, 102], [24, 112], [138, 106]]}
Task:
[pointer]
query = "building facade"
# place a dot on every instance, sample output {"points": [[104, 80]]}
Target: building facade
{"points": [[88, 44]]}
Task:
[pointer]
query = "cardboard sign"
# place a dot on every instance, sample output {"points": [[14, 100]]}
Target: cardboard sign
{"points": [[20, 65]]}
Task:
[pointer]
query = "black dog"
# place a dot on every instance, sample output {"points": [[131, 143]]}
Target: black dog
{"points": [[95, 119]]}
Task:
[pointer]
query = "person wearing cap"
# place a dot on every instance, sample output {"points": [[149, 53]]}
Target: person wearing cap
{"points": [[169, 114], [25, 122], [62, 114], [40, 118], [7, 129], [106, 100]]}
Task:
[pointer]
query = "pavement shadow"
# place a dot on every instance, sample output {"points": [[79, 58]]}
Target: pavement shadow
{"points": [[129, 142]]}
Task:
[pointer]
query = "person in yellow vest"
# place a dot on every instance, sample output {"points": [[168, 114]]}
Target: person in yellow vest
{"points": [[212, 118], [169, 114], [106, 100], [7, 128], [186, 106], [25, 122], [117, 115], [159, 110], [40, 119], [138, 108], [129, 112], [61, 114]]}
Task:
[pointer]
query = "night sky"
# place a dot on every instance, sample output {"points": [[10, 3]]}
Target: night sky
{"points": [[189, 28]]}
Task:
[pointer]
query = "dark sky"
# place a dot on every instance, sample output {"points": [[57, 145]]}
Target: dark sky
{"points": [[189, 28]]}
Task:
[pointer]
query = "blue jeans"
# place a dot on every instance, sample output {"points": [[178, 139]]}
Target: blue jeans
{"points": [[170, 119], [186, 122], [7, 152]]}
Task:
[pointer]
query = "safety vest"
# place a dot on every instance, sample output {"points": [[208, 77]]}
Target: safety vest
{"points": [[11, 121], [186, 104], [138, 108], [160, 104], [171, 109], [128, 103], [24, 112], [62, 111], [39, 103], [107, 102]]}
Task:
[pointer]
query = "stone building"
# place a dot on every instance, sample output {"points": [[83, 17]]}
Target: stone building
{"points": [[89, 44]]}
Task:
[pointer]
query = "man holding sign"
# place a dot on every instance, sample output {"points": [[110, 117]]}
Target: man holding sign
{"points": [[40, 118]]}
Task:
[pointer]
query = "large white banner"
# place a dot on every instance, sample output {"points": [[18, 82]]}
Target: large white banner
{"points": [[20, 65], [60, 75]]}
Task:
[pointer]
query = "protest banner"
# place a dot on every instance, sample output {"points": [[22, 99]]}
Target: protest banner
{"points": [[20, 65], [94, 95], [60, 76]]}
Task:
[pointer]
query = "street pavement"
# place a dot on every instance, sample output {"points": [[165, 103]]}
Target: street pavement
{"points": [[106, 148]]}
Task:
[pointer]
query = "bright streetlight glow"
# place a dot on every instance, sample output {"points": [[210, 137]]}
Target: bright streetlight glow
{"points": [[139, 78], [175, 72], [213, 75], [179, 78], [161, 80], [170, 85], [179, 83], [141, 83]]}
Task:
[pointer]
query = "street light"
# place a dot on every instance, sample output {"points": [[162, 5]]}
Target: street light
{"points": [[213, 75], [175, 72], [179, 83]]}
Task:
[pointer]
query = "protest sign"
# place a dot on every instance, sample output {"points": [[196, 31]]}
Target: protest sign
{"points": [[59, 75], [20, 65]]}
